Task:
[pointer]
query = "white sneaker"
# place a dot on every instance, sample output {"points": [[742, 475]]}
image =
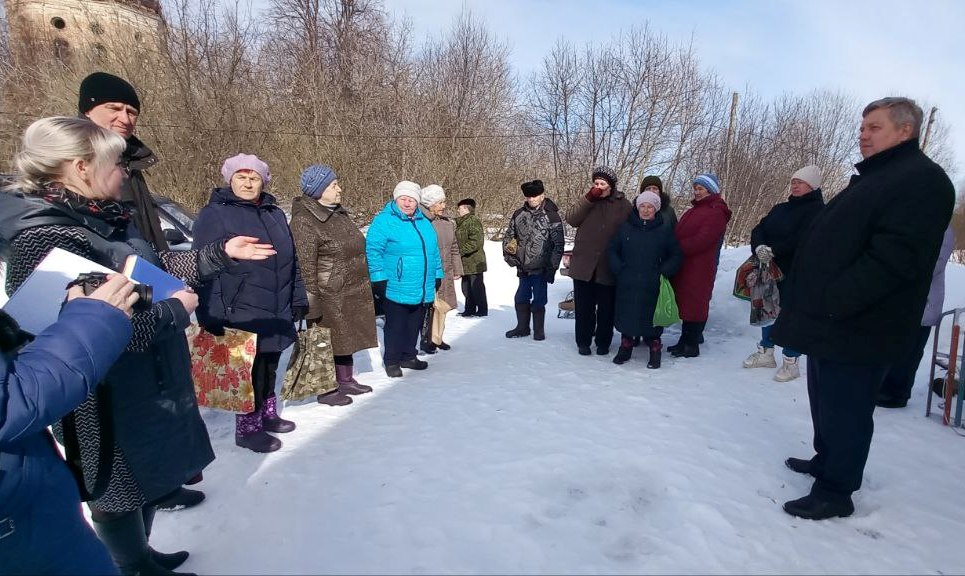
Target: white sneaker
{"points": [[763, 358], [788, 371]]}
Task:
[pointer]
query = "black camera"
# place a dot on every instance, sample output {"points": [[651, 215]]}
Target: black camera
{"points": [[91, 281]]}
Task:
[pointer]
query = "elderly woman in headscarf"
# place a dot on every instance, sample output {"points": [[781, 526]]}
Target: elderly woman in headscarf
{"points": [[700, 233], [433, 200], [405, 270], [263, 297], [331, 253]]}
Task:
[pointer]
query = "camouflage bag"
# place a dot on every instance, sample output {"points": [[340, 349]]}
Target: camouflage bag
{"points": [[311, 369]]}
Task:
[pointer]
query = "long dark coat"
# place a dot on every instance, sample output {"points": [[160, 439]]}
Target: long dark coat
{"points": [[639, 253], [595, 224], [255, 295], [147, 400], [784, 226], [700, 233], [331, 254], [861, 274]]}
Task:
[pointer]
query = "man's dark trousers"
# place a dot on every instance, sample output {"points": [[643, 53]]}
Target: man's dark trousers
{"points": [[842, 398]]}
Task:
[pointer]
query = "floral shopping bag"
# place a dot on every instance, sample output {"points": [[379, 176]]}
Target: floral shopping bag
{"points": [[221, 368]]}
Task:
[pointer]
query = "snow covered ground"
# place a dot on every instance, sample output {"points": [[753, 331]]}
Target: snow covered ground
{"points": [[521, 457]]}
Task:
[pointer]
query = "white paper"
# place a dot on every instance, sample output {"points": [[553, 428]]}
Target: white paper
{"points": [[36, 304]]}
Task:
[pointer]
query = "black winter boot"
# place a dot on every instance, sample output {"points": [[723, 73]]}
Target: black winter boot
{"points": [[687, 346], [522, 321], [181, 498], [655, 352], [126, 541], [623, 354], [425, 344], [539, 320], [169, 561]]}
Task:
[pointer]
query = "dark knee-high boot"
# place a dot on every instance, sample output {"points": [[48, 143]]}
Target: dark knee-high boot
{"points": [[169, 561], [126, 540], [522, 321], [539, 321]]}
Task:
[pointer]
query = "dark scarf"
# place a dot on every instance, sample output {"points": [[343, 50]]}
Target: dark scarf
{"points": [[145, 216], [110, 211]]}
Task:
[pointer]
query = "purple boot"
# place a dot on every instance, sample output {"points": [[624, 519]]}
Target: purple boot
{"points": [[250, 434], [348, 384], [270, 420]]}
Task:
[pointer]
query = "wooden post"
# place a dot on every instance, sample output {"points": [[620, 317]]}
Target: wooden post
{"points": [[931, 120], [727, 145]]}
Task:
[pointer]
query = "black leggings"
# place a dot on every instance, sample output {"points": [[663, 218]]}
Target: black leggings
{"points": [[263, 372]]}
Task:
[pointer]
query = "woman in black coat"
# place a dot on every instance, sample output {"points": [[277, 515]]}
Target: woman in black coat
{"points": [[643, 249], [140, 436], [264, 297], [776, 237]]}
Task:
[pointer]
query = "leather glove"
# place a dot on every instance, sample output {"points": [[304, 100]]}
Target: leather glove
{"points": [[214, 329], [764, 254], [594, 194], [550, 276], [299, 313], [438, 284], [378, 289]]}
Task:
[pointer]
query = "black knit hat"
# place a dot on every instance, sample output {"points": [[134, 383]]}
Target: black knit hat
{"points": [[101, 87], [532, 189], [607, 174], [467, 202], [651, 181]]}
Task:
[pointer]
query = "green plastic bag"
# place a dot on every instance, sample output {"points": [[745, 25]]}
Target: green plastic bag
{"points": [[666, 313]]}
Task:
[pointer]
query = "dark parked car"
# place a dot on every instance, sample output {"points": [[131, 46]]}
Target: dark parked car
{"points": [[176, 221]]}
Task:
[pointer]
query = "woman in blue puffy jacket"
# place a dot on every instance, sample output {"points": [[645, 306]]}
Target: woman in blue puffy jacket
{"points": [[405, 270], [42, 530]]}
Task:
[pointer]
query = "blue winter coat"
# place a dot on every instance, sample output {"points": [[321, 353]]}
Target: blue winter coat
{"points": [[254, 295], [48, 378], [404, 251]]}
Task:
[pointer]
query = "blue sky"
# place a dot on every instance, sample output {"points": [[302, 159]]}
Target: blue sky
{"points": [[866, 48]]}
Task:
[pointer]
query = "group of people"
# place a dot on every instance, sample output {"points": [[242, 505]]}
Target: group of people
{"points": [[620, 253], [114, 381], [861, 281]]}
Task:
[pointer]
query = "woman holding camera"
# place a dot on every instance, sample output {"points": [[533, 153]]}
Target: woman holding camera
{"points": [[140, 436]]}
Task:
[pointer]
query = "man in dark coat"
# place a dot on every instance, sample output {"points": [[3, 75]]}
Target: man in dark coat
{"points": [[533, 244], [596, 217], [856, 293], [112, 103]]}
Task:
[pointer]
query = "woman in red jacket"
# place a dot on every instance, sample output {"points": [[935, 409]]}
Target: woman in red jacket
{"points": [[700, 234]]}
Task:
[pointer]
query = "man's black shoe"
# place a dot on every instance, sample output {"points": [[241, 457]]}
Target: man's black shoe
{"points": [[415, 364], [584, 350], [799, 465], [885, 401], [813, 508]]}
